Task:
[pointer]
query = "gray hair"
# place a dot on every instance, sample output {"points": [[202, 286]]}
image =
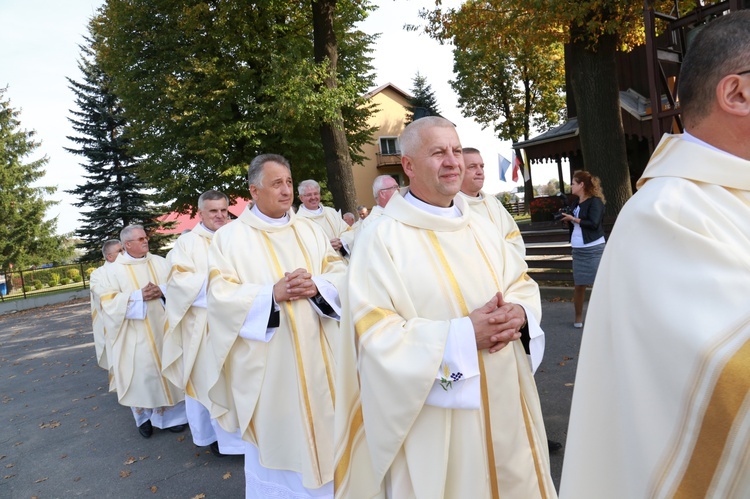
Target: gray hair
{"points": [[350, 214], [125, 233], [471, 150], [255, 170], [305, 184], [211, 195], [721, 48], [377, 184], [108, 244], [412, 135]]}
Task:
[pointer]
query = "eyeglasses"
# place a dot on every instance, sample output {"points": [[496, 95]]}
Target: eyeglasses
{"points": [[389, 188], [138, 240]]}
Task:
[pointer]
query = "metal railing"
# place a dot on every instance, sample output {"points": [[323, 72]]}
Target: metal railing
{"points": [[21, 284]]}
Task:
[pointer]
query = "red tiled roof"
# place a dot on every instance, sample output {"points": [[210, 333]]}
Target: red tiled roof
{"points": [[183, 221]]}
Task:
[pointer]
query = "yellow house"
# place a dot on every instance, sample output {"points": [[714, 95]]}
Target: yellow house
{"points": [[383, 155]]}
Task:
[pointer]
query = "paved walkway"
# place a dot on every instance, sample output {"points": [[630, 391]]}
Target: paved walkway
{"points": [[64, 435]]}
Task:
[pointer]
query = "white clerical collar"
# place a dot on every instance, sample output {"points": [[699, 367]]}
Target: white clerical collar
{"points": [[207, 229], [271, 221], [314, 212], [131, 257], [695, 140], [450, 212]]}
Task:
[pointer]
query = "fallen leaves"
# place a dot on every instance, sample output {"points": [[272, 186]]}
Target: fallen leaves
{"points": [[125, 473], [41, 480], [129, 460], [181, 438], [154, 488], [51, 424], [227, 475], [199, 496]]}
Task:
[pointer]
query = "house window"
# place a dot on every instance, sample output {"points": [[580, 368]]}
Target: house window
{"points": [[389, 145]]}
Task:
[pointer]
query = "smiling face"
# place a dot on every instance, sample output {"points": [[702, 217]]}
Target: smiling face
{"points": [[436, 169], [275, 191], [311, 198], [214, 213], [137, 243], [474, 176]]}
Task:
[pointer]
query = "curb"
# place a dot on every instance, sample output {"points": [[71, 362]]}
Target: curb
{"points": [[13, 306]]}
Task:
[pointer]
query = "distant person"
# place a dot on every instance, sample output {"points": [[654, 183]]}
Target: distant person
{"points": [[327, 218], [586, 235], [661, 401], [110, 250], [186, 361], [363, 212], [349, 218], [133, 309]]}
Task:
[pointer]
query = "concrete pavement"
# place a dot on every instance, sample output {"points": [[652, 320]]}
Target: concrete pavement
{"points": [[63, 434]]}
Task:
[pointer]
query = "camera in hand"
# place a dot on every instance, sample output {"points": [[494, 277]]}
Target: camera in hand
{"points": [[565, 210]]}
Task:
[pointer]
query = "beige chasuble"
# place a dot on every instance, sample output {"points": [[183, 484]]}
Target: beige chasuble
{"points": [[491, 208], [136, 345], [279, 393], [329, 220], [96, 284], [661, 406], [185, 360], [413, 272]]}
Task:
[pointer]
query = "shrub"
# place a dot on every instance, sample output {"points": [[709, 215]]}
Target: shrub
{"points": [[27, 289], [544, 208], [77, 278], [54, 280], [73, 273], [89, 271], [64, 281], [38, 284]]}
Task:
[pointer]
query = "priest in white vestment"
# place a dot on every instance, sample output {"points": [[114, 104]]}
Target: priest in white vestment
{"points": [[661, 406], [110, 250], [435, 397], [273, 311], [133, 311], [186, 361], [488, 206], [383, 188], [327, 218]]}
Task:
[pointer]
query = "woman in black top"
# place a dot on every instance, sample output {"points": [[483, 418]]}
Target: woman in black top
{"points": [[586, 235]]}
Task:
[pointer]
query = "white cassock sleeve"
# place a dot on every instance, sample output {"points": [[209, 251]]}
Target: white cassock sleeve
{"points": [[457, 385], [536, 340], [200, 300], [136, 306], [330, 294], [255, 326]]}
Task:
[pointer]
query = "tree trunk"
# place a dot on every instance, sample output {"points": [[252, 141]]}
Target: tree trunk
{"points": [[332, 134], [593, 78]]}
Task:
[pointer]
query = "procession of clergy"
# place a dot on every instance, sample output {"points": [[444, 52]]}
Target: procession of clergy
{"points": [[395, 358]]}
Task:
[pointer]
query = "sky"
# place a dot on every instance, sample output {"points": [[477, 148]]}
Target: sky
{"points": [[39, 48]]}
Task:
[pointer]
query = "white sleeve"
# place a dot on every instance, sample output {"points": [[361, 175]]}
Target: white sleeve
{"points": [[255, 326], [200, 300], [457, 385], [536, 341], [330, 294], [136, 306]]}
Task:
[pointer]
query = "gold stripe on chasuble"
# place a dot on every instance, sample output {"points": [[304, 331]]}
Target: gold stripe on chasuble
{"points": [[177, 268], [513, 235], [110, 296], [329, 370], [370, 319], [297, 352], [216, 273], [483, 374], [94, 314], [152, 271], [722, 409], [342, 468], [190, 389], [155, 353]]}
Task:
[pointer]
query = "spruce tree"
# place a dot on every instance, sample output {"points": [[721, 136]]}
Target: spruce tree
{"points": [[26, 238], [112, 195], [423, 102]]}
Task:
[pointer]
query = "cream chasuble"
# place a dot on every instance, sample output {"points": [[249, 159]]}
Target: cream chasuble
{"points": [[96, 284], [350, 237], [661, 406], [136, 345], [279, 393], [491, 208], [413, 273], [185, 360], [329, 220]]}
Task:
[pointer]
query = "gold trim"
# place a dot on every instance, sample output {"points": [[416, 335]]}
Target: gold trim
{"points": [[178, 268], [722, 409], [532, 444], [155, 353], [342, 468], [190, 389], [214, 273], [108, 297], [513, 235], [329, 371], [370, 319]]}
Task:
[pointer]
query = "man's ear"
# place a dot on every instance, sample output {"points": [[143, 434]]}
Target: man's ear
{"points": [[253, 192], [733, 94], [408, 166]]}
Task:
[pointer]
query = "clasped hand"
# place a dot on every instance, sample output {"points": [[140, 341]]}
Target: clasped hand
{"points": [[497, 323], [151, 292], [294, 286]]}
